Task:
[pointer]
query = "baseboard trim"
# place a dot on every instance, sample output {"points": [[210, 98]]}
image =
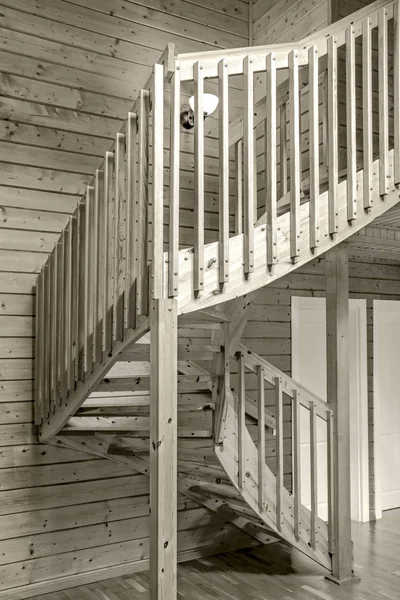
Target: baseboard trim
{"points": [[62, 583]]}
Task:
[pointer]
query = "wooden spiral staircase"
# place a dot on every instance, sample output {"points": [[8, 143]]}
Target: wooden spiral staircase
{"points": [[121, 298]]}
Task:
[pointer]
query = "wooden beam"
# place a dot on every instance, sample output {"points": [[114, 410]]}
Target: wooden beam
{"points": [[163, 449], [338, 396]]}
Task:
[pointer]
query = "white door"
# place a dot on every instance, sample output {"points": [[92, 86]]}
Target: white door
{"points": [[309, 368], [387, 403]]}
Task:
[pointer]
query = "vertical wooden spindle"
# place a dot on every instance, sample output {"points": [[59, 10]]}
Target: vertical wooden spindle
{"points": [[46, 349], [383, 103], [294, 155], [88, 289], [119, 237], [313, 474], [279, 451], [270, 160], [248, 151], [54, 332], [38, 350], [261, 437], [296, 464], [367, 112], [142, 205], [60, 319], [331, 487], [332, 135], [314, 146], [241, 420], [198, 178], [95, 265], [174, 200], [74, 324], [82, 329], [396, 9], [99, 273], [131, 174], [157, 257], [67, 310], [283, 150], [239, 187], [351, 123], [223, 88], [108, 252]]}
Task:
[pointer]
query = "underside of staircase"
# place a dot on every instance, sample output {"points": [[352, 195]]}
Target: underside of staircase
{"points": [[120, 370]]}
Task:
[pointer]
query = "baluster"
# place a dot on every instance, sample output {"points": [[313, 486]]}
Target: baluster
{"points": [[131, 174], [383, 104], [296, 464], [47, 337], [279, 451], [223, 172], [66, 370], [270, 160], [60, 319], [332, 135], [39, 350], [331, 487], [294, 155], [198, 179], [119, 237], [239, 187], [367, 112], [99, 270], [313, 474], [283, 151], [74, 325], [158, 181], [249, 182], [314, 146], [351, 123], [82, 329], [173, 264], [88, 284], [396, 158], [241, 419], [95, 267], [325, 120], [261, 436], [53, 322], [108, 252], [142, 205]]}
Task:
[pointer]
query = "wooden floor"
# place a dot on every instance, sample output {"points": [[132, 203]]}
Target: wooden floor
{"points": [[275, 572]]}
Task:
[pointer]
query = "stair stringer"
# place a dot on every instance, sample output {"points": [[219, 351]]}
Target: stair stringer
{"points": [[227, 454], [238, 284]]}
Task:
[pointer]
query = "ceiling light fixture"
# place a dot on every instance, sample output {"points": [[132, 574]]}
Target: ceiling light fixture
{"points": [[210, 103]]}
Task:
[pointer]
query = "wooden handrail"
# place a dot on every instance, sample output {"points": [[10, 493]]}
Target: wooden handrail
{"points": [[235, 57], [288, 385]]}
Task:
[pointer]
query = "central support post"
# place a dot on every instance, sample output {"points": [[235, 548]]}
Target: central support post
{"points": [[338, 396], [163, 449]]}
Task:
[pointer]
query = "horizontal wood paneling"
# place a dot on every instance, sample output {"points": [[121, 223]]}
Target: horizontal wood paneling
{"points": [[70, 71]]}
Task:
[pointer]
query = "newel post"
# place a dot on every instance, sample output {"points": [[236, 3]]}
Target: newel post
{"points": [[163, 449], [338, 396]]}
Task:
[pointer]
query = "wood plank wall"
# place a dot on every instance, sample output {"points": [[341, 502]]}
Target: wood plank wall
{"points": [[69, 72], [268, 331], [287, 20]]}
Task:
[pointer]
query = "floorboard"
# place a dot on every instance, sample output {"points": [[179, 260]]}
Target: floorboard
{"points": [[275, 572]]}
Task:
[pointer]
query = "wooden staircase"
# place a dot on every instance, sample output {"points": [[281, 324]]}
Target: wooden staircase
{"points": [[121, 300]]}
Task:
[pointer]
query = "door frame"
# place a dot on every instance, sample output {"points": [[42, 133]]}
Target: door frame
{"points": [[361, 430], [385, 306]]}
